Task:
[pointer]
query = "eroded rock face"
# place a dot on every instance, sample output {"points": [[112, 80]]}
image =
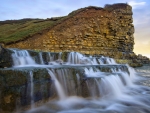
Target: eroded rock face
{"points": [[15, 87], [143, 59], [91, 30], [5, 58]]}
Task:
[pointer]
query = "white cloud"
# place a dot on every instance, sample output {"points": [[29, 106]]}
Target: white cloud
{"points": [[135, 4]]}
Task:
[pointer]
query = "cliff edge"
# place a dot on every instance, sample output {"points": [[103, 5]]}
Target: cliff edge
{"points": [[91, 30]]}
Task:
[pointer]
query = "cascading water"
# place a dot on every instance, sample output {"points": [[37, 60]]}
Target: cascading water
{"points": [[21, 58], [90, 85], [51, 57], [32, 90], [59, 89], [41, 58], [78, 58], [110, 92]]}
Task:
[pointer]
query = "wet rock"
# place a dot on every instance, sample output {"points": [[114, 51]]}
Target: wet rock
{"points": [[5, 58], [15, 87], [143, 59], [15, 84]]}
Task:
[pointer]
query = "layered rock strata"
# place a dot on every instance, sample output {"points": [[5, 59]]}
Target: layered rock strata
{"points": [[91, 30], [143, 59]]}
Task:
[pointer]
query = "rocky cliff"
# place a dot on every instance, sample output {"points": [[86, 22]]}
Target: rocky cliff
{"points": [[92, 30]]}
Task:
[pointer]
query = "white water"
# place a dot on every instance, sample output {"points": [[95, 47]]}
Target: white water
{"points": [[51, 58], [59, 89], [115, 91], [78, 58], [32, 90], [22, 58], [41, 58]]}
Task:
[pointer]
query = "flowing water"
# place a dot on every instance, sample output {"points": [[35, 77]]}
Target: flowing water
{"points": [[32, 90], [22, 58], [41, 59], [115, 90], [58, 86]]}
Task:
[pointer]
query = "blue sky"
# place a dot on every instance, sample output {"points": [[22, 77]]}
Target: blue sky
{"points": [[18, 9]]}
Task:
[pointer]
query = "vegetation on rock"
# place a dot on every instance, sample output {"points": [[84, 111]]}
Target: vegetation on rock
{"points": [[14, 30]]}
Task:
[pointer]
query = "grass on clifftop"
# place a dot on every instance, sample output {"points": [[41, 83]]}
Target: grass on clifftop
{"points": [[14, 30]]}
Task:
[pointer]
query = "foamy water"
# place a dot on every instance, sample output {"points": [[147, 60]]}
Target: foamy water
{"points": [[115, 91]]}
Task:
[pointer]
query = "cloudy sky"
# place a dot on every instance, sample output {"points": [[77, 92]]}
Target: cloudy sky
{"points": [[18, 9]]}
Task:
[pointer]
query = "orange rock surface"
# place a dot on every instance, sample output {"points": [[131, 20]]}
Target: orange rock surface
{"points": [[91, 30]]}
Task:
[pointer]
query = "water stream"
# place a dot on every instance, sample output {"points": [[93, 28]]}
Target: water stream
{"points": [[58, 86], [32, 90], [22, 57], [115, 90], [41, 58]]}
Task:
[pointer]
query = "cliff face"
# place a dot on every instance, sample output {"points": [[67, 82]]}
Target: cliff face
{"points": [[91, 30]]}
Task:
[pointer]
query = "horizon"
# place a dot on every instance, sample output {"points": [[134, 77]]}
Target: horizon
{"points": [[15, 9]]}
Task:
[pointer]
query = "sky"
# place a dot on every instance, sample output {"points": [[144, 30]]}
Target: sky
{"points": [[18, 9]]}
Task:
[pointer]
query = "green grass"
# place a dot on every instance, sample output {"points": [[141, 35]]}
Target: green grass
{"points": [[14, 30]]}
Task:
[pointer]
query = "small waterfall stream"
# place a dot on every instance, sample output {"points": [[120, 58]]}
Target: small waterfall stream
{"points": [[22, 57], [58, 86], [32, 90], [41, 58], [87, 84]]}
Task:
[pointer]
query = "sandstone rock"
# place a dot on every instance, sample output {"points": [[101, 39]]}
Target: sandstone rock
{"points": [[90, 30], [143, 59], [109, 25]]}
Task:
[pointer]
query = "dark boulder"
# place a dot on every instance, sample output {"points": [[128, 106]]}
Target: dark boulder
{"points": [[5, 58]]}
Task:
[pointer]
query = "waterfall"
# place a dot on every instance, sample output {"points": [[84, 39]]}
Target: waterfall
{"points": [[94, 61], [59, 89], [51, 58], [110, 60], [101, 60], [113, 86], [77, 58], [59, 55], [32, 90], [22, 58], [85, 83], [110, 85], [41, 58]]}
